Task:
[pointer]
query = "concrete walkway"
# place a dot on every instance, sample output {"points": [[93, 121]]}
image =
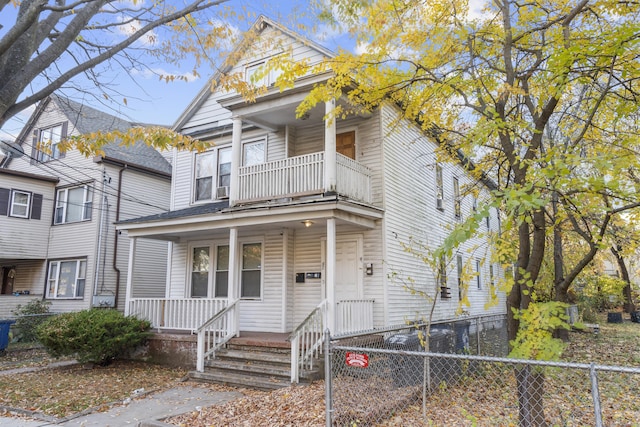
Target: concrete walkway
{"points": [[147, 411]]}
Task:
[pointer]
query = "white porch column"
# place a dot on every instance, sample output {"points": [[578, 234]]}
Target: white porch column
{"points": [[236, 160], [132, 259], [234, 284], [330, 148], [330, 271]]}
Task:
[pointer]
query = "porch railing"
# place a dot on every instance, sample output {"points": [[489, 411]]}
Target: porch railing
{"points": [[306, 341], [215, 332], [354, 316], [302, 175], [179, 314]]}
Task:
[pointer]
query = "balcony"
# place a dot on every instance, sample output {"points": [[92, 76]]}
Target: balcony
{"points": [[303, 176]]}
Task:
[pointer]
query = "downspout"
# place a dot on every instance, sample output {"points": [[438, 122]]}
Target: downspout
{"points": [[115, 240], [103, 199]]}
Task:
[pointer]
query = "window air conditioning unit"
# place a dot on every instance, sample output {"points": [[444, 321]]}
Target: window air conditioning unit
{"points": [[222, 192]]}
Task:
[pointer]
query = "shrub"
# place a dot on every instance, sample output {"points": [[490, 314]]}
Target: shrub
{"points": [[29, 317], [96, 335]]}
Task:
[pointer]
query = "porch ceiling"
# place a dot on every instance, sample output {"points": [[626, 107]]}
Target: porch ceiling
{"points": [[257, 219]]}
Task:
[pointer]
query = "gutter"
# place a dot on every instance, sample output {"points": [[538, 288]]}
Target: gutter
{"points": [[115, 239]]}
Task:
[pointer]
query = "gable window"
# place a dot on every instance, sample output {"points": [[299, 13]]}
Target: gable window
{"points": [[73, 204], [46, 142], [20, 202], [203, 284], [251, 275], [66, 279], [213, 174], [258, 73], [457, 205], [439, 188]]}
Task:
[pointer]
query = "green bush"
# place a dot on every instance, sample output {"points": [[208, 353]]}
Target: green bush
{"points": [[96, 335], [28, 318], [599, 293]]}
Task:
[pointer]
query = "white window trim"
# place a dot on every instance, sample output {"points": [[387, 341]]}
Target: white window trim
{"points": [[213, 245], [42, 154], [269, 79], [213, 252], [27, 205], [263, 139], [214, 178], [87, 199], [57, 279]]}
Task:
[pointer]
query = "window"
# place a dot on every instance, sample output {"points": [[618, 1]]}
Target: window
{"points": [[73, 204], [213, 171], [442, 276], [460, 271], [20, 202], [66, 279], [491, 280], [251, 276], [478, 273], [456, 198], [253, 153], [474, 204], [47, 142], [439, 188], [259, 74], [489, 220], [204, 285]]}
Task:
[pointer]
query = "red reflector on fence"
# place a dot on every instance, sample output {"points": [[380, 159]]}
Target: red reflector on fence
{"points": [[357, 359]]}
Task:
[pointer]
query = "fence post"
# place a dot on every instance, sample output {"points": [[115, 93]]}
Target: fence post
{"points": [[595, 393], [328, 392], [478, 336]]}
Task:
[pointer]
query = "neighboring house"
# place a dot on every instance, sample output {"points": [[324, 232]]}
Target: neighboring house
{"points": [[283, 216], [57, 237]]}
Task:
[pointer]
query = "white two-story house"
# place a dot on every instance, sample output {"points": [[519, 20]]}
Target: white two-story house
{"points": [[287, 221], [57, 212]]}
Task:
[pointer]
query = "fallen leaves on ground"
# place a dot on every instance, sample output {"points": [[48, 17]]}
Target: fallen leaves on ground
{"points": [[65, 391]]}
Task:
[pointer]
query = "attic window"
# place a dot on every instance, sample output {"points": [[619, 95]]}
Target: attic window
{"points": [[46, 142], [262, 73]]}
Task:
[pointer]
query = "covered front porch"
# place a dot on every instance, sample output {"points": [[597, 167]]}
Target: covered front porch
{"points": [[298, 281]]}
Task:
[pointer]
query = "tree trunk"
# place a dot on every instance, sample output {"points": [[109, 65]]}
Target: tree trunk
{"points": [[530, 397], [560, 292], [629, 306]]}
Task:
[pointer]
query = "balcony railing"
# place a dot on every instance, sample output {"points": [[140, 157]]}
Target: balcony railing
{"points": [[186, 314], [302, 175]]}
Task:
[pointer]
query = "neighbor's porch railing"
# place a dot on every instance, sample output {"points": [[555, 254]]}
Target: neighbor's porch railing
{"points": [[306, 341], [302, 175], [215, 332], [354, 316], [179, 314]]}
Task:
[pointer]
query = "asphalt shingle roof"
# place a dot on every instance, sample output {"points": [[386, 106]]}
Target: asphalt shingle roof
{"points": [[208, 208]]}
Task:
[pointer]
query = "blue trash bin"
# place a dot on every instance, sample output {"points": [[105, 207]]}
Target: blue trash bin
{"points": [[5, 325]]}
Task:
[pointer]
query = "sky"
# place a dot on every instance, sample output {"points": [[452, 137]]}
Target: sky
{"points": [[156, 102]]}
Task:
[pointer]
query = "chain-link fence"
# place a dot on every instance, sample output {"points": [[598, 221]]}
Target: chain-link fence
{"points": [[387, 379]]}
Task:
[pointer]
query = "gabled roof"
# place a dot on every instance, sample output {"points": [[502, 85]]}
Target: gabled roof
{"points": [[84, 119], [258, 27]]}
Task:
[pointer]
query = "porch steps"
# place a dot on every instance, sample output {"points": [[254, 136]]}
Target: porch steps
{"points": [[263, 366]]}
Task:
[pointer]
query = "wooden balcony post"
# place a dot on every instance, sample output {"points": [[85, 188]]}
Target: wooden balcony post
{"points": [[330, 272], [330, 149], [132, 258], [236, 154], [234, 284]]}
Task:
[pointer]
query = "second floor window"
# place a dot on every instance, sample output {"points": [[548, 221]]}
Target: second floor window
{"points": [[47, 142], [439, 188], [457, 203], [73, 204], [213, 174], [20, 202]]}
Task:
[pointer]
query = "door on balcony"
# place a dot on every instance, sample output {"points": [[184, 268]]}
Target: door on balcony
{"points": [[346, 144]]}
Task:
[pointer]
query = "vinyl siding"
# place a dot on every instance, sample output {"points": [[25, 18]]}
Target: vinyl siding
{"points": [[410, 212]]}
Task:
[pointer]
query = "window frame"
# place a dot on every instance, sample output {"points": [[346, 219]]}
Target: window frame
{"points": [[439, 187], [457, 201], [460, 271], [216, 177], [479, 273], [212, 268], [41, 155], [78, 288], [256, 141], [27, 206], [62, 203], [270, 76], [241, 246]]}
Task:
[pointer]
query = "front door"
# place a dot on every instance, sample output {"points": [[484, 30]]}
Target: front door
{"points": [[346, 144], [347, 271]]}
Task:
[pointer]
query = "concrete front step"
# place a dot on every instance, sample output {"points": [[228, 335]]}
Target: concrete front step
{"points": [[251, 366]]}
